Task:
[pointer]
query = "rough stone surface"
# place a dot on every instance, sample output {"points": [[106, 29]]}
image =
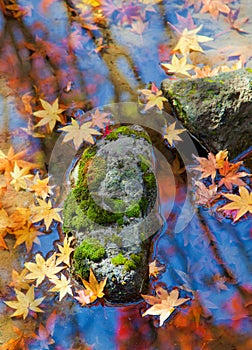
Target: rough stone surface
{"points": [[112, 212], [216, 110]]}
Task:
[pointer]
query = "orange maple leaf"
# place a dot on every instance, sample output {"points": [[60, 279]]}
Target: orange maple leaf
{"points": [[94, 288], [207, 166], [231, 176], [214, 7], [7, 161]]}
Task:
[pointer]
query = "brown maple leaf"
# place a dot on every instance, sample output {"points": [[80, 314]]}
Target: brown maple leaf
{"points": [[164, 304], [242, 202], [40, 187], [231, 176]]}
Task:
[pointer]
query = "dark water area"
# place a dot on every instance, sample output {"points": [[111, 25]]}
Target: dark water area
{"points": [[89, 56]]}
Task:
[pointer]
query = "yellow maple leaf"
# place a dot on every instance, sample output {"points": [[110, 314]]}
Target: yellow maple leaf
{"points": [[65, 251], [50, 114], [28, 235], [43, 268], [154, 98], [171, 134], [154, 270], [242, 203], [40, 186], [189, 41], [25, 303], [19, 177], [45, 212], [94, 288], [164, 304], [79, 133], [178, 66], [62, 286]]}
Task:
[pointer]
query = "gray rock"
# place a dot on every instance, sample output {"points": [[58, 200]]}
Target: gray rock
{"points": [[112, 210], [216, 110]]}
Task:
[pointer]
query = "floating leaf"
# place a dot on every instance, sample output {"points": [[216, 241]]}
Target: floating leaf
{"points": [[19, 177], [43, 268], [231, 176], [94, 288], [214, 7], [207, 166], [189, 41], [62, 286], [50, 114], [171, 134], [79, 133], [40, 186], [25, 303], [178, 66], [100, 119], [28, 235], [84, 296], [65, 251], [45, 212], [7, 162], [164, 304], [19, 280], [242, 203], [154, 270]]}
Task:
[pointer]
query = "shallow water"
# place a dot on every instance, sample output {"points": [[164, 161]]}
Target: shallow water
{"points": [[48, 55]]}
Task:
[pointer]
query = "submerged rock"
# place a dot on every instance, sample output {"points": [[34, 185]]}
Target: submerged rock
{"points": [[112, 212], [216, 110]]}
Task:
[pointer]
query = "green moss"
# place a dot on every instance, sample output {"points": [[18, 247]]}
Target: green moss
{"points": [[149, 180], [90, 249], [126, 130], [129, 264], [134, 210], [118, 260]]}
